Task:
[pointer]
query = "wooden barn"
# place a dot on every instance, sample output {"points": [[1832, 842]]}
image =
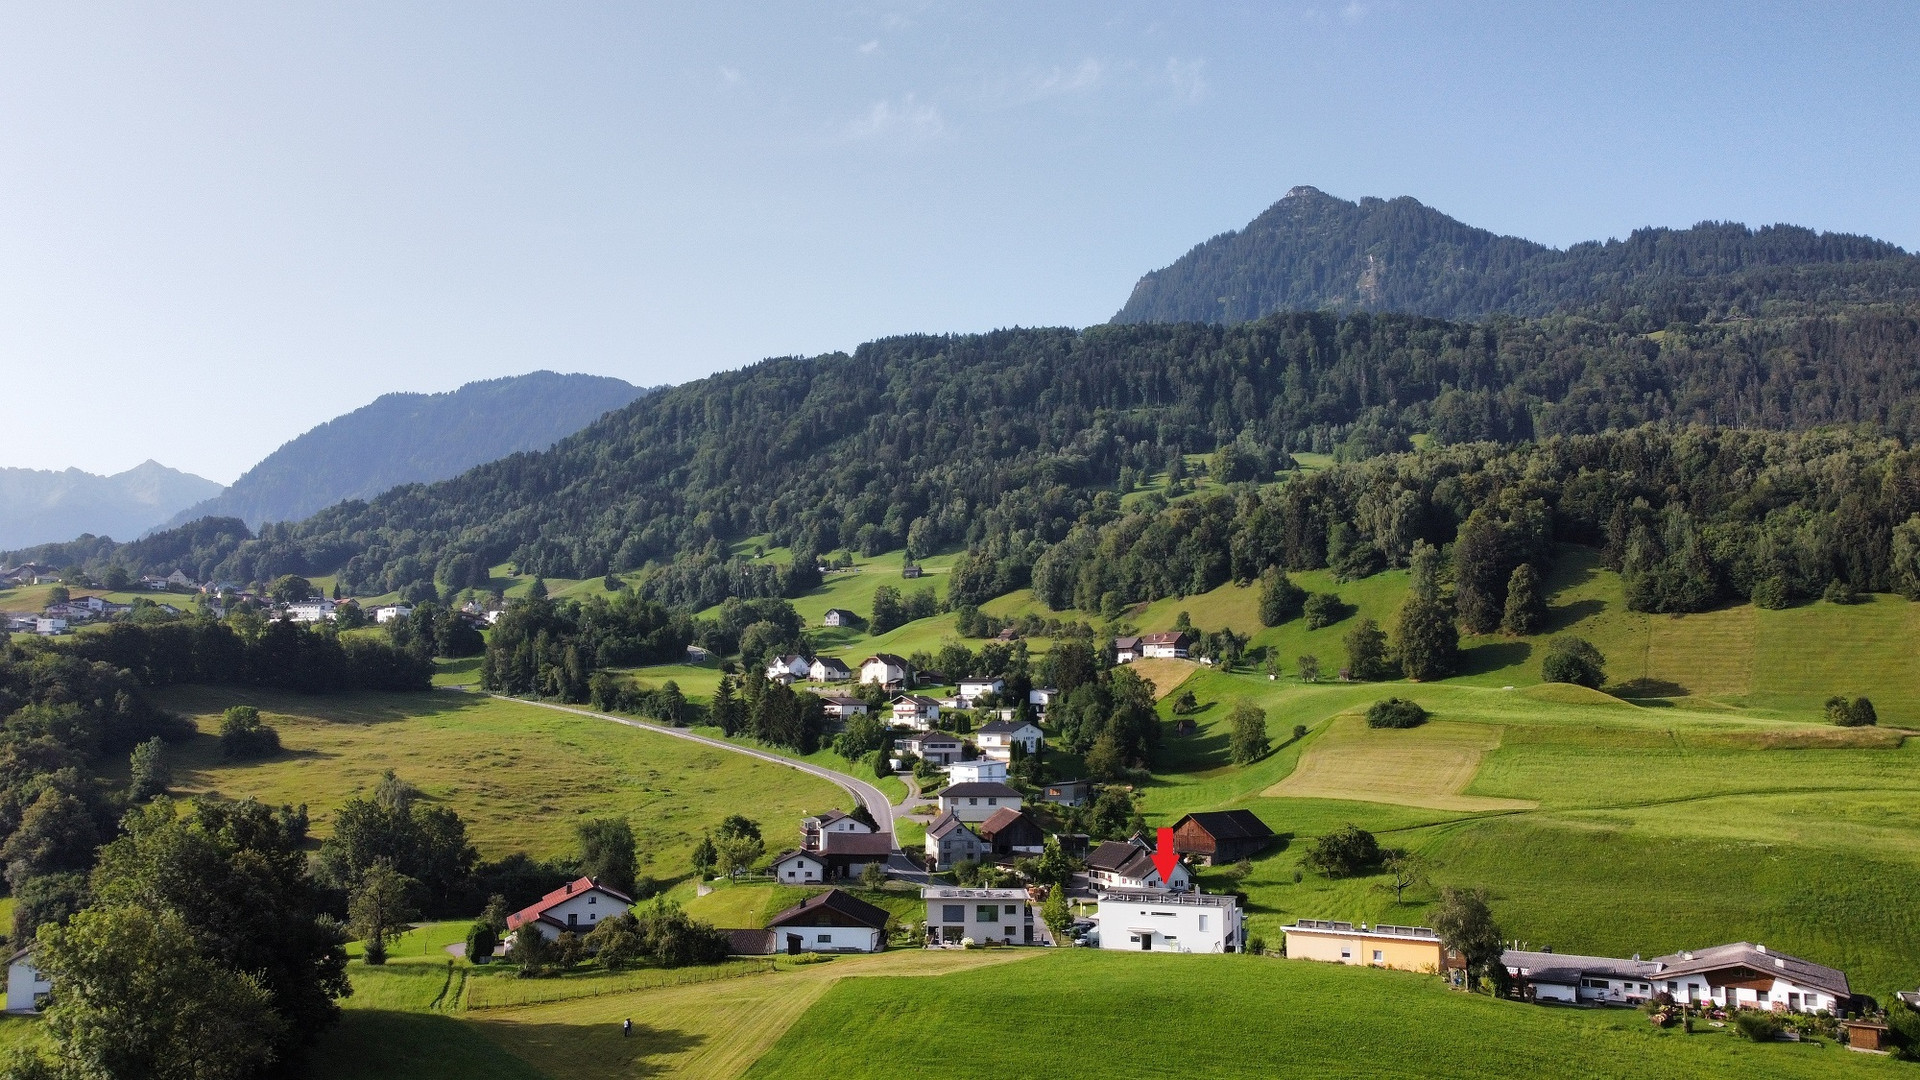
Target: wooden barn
{"points": [[1220, 836]]}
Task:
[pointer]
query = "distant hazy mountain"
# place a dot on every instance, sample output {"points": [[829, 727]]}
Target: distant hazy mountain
{"points": [[1311, 251], [39, 505], [414, 438]]}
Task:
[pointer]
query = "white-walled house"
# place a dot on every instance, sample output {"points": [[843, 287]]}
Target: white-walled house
{"points": [[800, 868], [1167, 645], [956, 915], [971, 690], [311, 611], [916, 711], [833, 922], [843, 708], [983, 770], [998, 738], [789, 668], [949, 841], [1041, 698], [1126, 650], [27, 986], [577, 906], [974, 803], [1149, 920], [1738, 976], [825, 669], [839, 617], [890, 671], [390, 612], [1128, 864], [817, 826], [49, 626], [933, 747]]}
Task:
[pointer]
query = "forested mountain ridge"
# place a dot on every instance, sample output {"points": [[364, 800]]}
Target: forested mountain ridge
{"points": [[938, 441], [413, 438], [37, 505], [1313, 251]]}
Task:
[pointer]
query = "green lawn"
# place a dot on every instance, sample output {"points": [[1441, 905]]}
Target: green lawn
{"points": [[520, 775], [1237, 1016]]}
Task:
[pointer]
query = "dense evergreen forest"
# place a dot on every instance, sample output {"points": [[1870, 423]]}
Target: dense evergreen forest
{"points": [[1311, 251], [934, 442]]}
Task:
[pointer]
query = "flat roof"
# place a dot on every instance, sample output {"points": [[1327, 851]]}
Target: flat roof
{"points": [[950, 892], [1332, 928], [1156, 896]]}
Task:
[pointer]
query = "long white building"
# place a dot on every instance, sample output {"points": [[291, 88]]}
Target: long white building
{"points": [[1150, 920]]}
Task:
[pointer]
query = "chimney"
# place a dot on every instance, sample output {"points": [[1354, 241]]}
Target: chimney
{"points": [[1779, 963], [1762, 948]]}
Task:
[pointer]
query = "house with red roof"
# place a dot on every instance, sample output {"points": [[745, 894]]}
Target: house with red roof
{"points": [[576, 907]]}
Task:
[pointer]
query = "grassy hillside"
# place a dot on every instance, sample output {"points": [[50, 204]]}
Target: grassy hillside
{"points": [[1226, 1017], [520, 775]]}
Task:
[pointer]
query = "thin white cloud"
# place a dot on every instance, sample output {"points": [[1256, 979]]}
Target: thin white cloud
{"points": [[1355, 11], [1189, 78], [1083, 77], [870, 47], [907, 118], [729, 75]]}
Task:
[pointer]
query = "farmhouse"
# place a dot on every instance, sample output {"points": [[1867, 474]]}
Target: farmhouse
{"points": [[826, 669], [888, 670], [27, 987], [1738, 976], [934, 747], [998, 738], [844, 708], [813, 828], [949, 841], [976, 772], [916, 711], [1148, 919], [1126, 650], [956, 915], [1128, 864], [1217, 837], [1012, 832], [830, 922], [1404, 948], [839, 617], [311, 611], [848, 853], [1168, 645], [976, 802], [789, 668], [576, 906]]}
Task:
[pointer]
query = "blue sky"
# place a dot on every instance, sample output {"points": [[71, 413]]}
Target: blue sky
{"points": [[222, 224]]}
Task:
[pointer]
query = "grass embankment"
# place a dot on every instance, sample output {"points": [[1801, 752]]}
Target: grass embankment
{"points": [[409, 1019], [521, 776], [1234, 1016]]}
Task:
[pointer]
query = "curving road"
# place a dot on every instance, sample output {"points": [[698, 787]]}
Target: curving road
{"points": [[869, 796]]}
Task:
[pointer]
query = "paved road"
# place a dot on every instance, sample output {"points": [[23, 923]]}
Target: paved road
{"points": [[869, 796]]}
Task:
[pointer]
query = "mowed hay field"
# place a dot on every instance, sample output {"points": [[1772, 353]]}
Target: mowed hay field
{"points": [[521, 776], [1166, 1015], [1607, 828], [404, 1022], [1427, 767]]}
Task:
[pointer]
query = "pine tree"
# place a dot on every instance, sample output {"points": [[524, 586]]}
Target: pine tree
{"points": [[1526, 611], [1429, 641]]}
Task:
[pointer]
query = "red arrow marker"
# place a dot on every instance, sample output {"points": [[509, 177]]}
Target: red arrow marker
{"points": [[1164, 857]]}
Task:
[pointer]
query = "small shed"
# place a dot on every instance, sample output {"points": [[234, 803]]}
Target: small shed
{"points": [[1867, 1036]]}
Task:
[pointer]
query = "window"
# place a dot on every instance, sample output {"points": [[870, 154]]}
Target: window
{"points": [[1760, 996], [1376, 956], [992, 800], [1203, 923], [1011, 910], [973, 802], [987, 913], [953, 913], [824, 939], [593, 899], [1007, 932], [1346, 953]]}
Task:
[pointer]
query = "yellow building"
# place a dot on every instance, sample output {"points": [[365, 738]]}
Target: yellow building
{"points": [[1404, 948]]}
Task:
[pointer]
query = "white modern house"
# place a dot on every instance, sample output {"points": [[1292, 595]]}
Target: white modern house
{"points": [[998, 738], [976, 802], [888, 670], [27, 986], [575, 907], [391, 612], [311, 611], [956, 915], [1148, 920], [844, 708], [45, 625], [984, 770], [972, 690], [1042, 699], [830, 922]]}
